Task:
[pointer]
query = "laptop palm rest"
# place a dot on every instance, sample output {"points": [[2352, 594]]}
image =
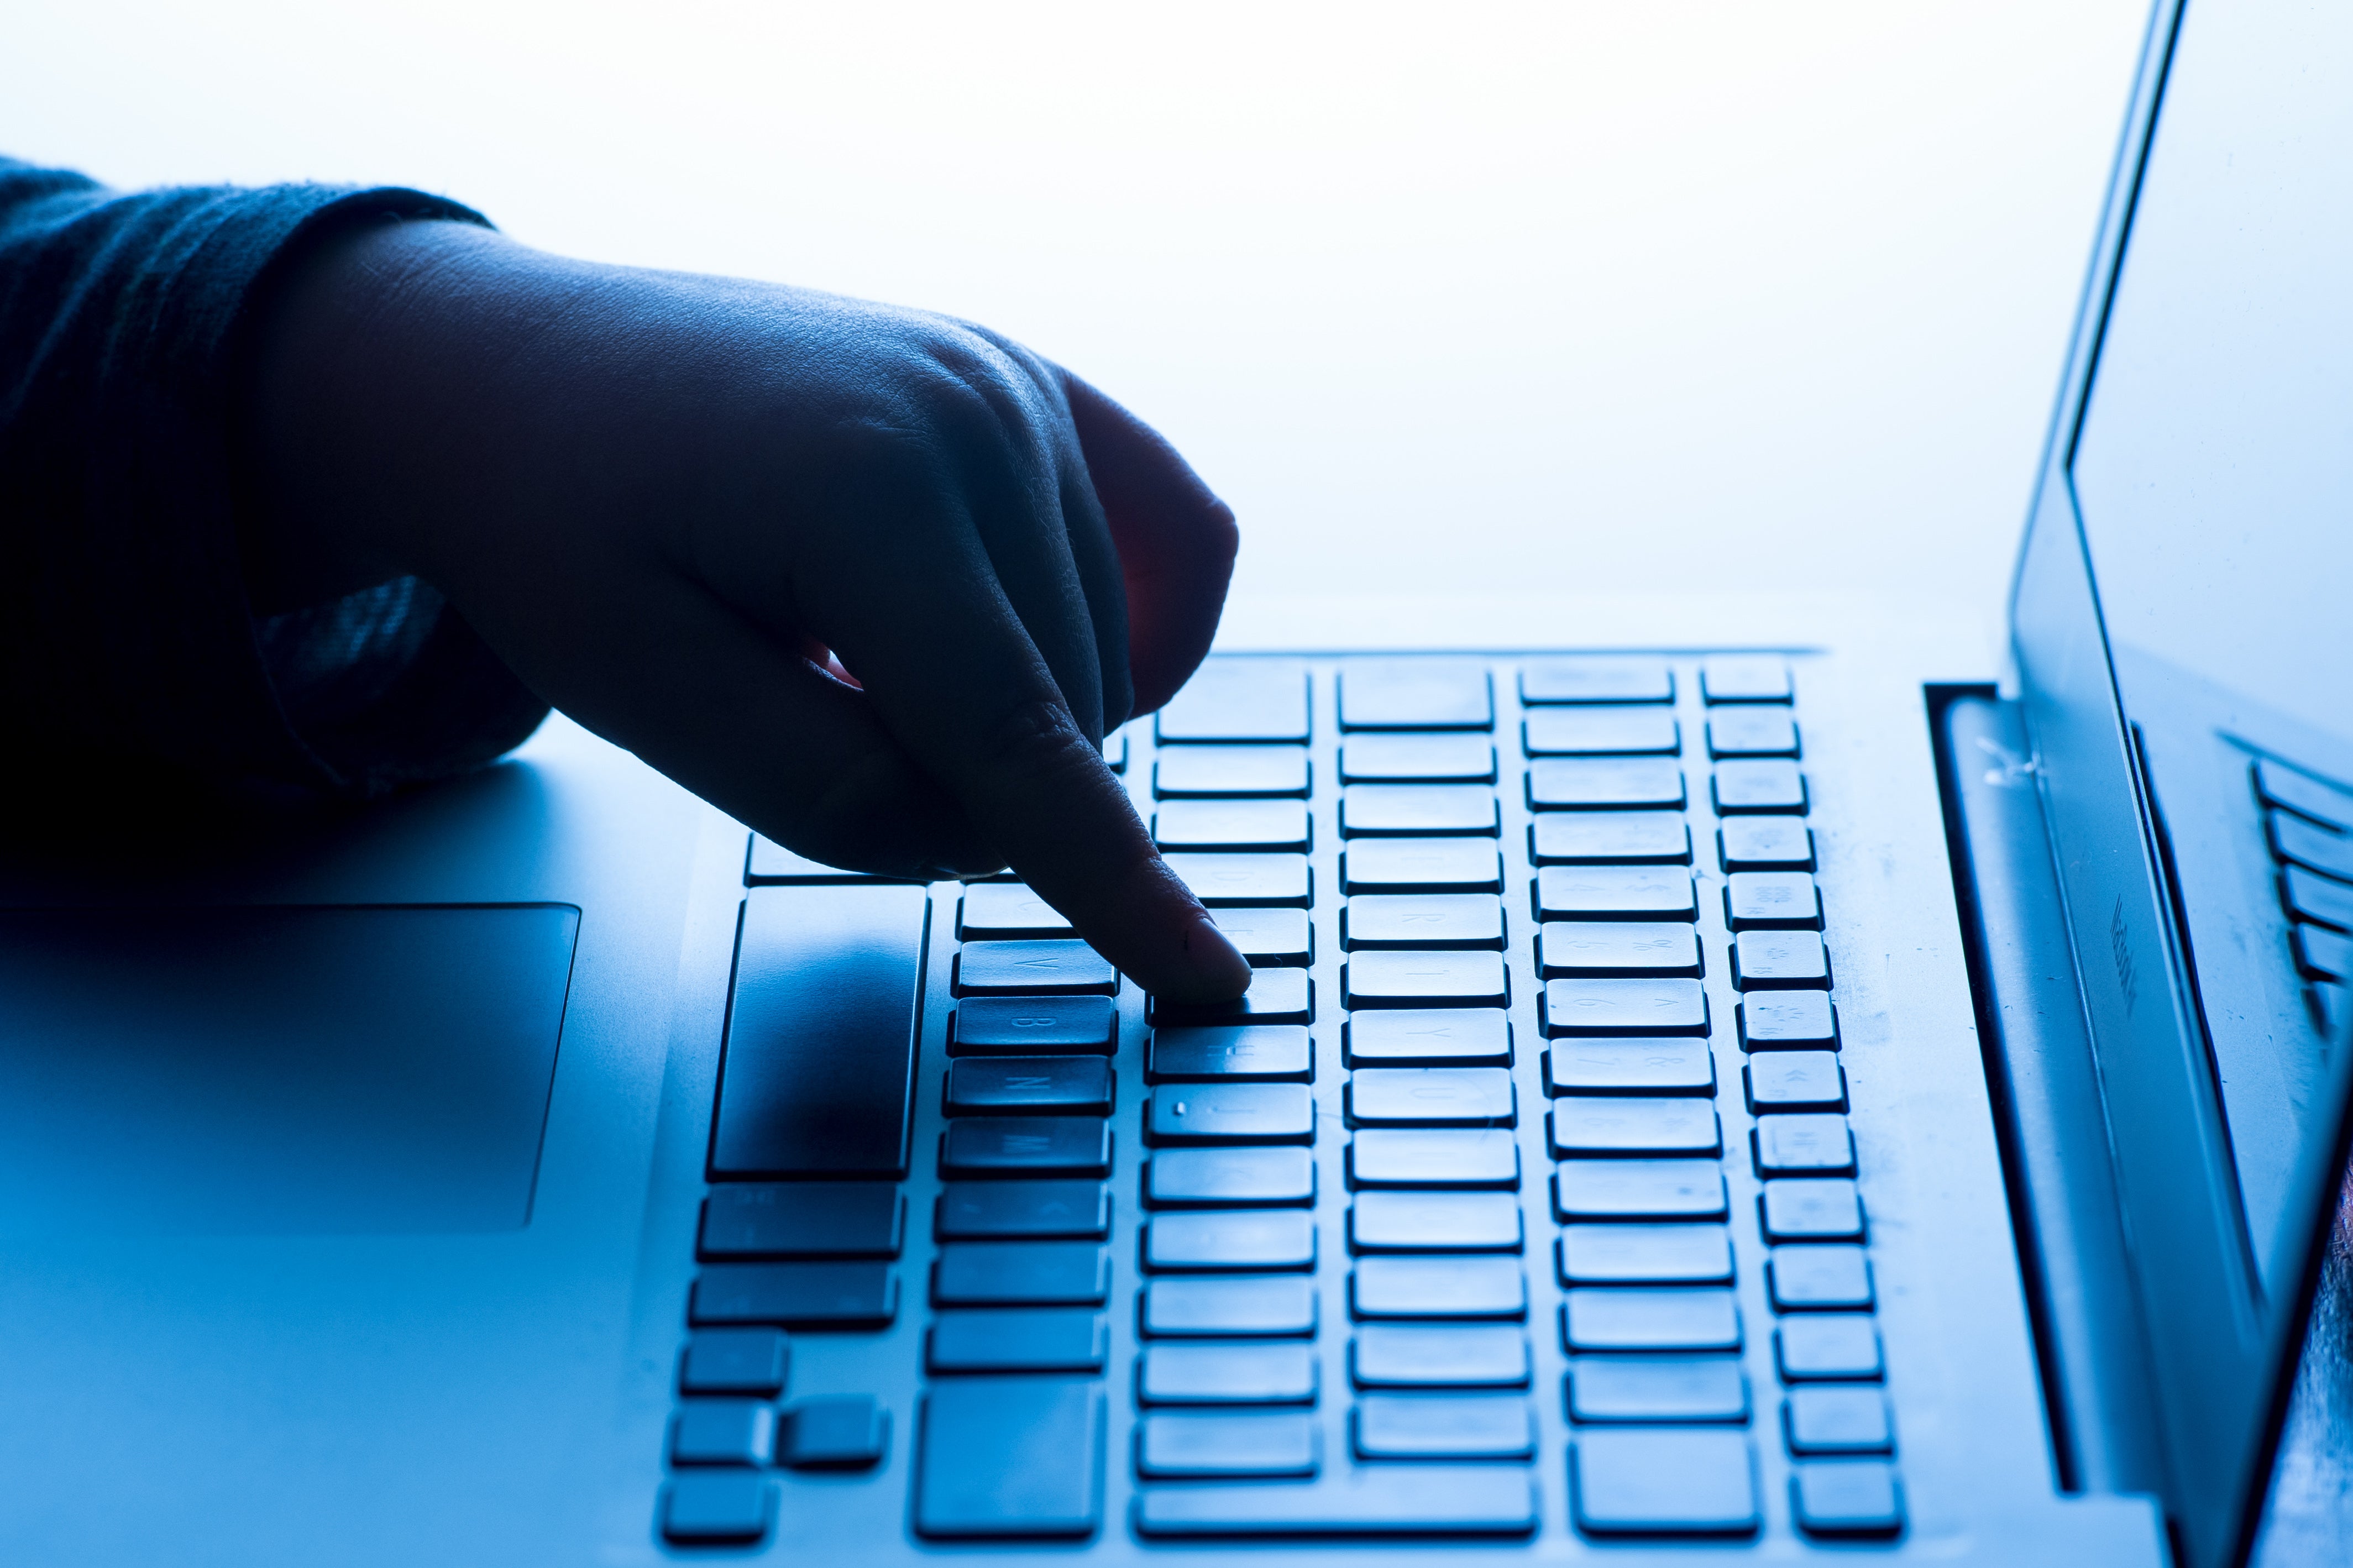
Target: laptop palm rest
{"points": [[281, 1071]]}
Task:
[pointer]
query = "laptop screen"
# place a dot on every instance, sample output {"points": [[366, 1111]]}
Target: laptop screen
{"points": [[2215, 475], [2184, 650]]}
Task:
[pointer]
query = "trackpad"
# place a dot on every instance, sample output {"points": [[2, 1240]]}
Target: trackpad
{"points": [[284, 1070]]}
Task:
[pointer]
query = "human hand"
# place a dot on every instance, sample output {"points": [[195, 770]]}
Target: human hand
{"points": [[682, 509]]}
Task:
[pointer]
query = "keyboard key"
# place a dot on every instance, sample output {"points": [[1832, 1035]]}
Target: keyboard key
{"points": [[1444, 1426], [1431, 1097], [1774, 900], [1401, 1355], [1275, 997], [1428, 920], [1224, 1178], [1605, 784], [1681, 1319], [1280, 938], [1615, 893], [1657, 1388], [1645, 1255], [1601, 733], [1376, 1502], [1456, 1287], [2309, 844], [771, 862], [1765, 844], [2305, 795], [1745, 677], [1812, 1209], [1230, 1114], [1638, 1189], [1233, 772], [1822, 1346], [1033, 968], [978, 1211], [1452, 1037], [1115, 750], [1021, 1025], [821, 1033], [1425, 979], [2329, 1005], [1760, 785], [1658, 1065], [1625, 1007], [1596, 678], [1813, 1145], [735, 1361], [1415, 695], [2317, 899], [1818, 1278], [1416, 1157], [803, 1219], [1836, 1421], [1238, 700], [1272, 825], [722, 1432], [1618, 947], [1232, 1239], [1434, 1221], [1018, 1339], [846, 1432], [999, 911], [1846, 1497], [1394, 811], [1752, 732], [1001, 1086], [1777, 1020], [1779, 961], [1188, 1446], [1631, 1125], [1421, 866], [1011, 1458], [1270, 1052], [1795, 1080], [1243, 1306], [1025, 1146], [1223, 882], [1273, 1373], [1417, 759], [1609, 837], [2324, 954], [1663, 1481], [717, 1510], [1020, 1274], [795, 1295]]}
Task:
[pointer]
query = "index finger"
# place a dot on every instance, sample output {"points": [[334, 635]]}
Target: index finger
{"points": [[959, 681]]}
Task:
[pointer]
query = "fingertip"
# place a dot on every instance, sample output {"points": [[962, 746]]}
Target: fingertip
{"points": [[1209, 968]]}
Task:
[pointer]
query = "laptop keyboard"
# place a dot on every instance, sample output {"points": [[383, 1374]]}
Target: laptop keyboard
{"points": [[2309, 822], [1523, 1167]]}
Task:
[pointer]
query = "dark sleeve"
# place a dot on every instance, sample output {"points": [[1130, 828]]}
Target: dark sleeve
{"points": [[127, 641]]}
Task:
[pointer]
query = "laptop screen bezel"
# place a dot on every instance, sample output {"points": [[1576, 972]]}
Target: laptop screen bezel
{"points": [[2224, 1355]]}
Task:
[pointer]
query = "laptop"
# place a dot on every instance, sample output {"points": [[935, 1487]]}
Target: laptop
{"points": [[1718, 1082]]}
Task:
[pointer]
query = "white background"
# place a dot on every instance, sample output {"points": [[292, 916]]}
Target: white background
{"points": [[1730, 296]]}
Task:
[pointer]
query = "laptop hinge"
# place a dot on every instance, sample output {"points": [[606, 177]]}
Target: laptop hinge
{"points": [[2048, 1110]]}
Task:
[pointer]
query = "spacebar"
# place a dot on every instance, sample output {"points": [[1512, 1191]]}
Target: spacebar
{"points": [[1400, 1499], [821, 1033]]}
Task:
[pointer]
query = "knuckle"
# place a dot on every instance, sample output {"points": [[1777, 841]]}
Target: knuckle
{"points": [[1037, 745]]}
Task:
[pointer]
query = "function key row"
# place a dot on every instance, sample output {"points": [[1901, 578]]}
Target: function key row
{"points": [[1265, 701]]}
